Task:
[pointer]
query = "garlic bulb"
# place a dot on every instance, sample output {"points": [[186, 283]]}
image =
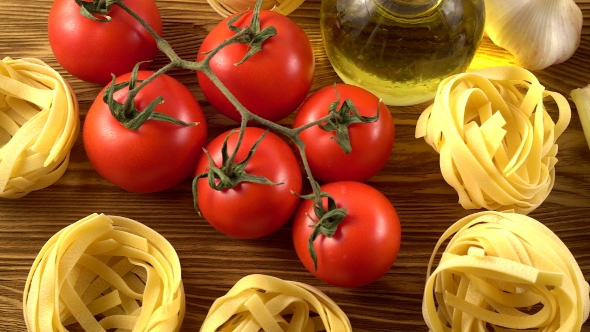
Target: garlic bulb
{"points": [[538, 33]]}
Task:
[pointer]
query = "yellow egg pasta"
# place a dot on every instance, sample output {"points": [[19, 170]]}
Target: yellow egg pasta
{"points": [[105, 272], [507, 271], [581, 98], [39, 123], [496, 140], [226, 8], [264, 303]]}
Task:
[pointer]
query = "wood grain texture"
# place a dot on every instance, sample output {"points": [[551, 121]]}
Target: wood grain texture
{"points": [[212, 262]]}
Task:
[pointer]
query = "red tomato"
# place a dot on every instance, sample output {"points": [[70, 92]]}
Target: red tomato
{"points": [[371, 143], [365, 244], [251, 210], [92, 50], [158, 155], [273, 82]]}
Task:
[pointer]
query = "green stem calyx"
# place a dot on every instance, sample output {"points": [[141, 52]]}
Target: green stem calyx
{"points": [[230, 174], [126, 113], [326, 224], [254, 37], [343, 117], [100, 8]]}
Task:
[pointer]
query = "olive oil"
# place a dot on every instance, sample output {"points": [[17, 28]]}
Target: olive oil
{"points": [[401, 49]]}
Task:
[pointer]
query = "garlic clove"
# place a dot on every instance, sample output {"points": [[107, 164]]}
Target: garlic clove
{"points": [[538, 33]]}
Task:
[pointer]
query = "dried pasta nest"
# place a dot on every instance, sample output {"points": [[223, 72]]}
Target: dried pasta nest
{"points": [[39, 123], [103, 273], [264, 303], [226, 8], [496, 140], [506, 271]]}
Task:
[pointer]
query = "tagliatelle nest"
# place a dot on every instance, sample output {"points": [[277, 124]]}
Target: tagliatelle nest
{"points": [[506, 270], [264, 303], [39, 123], [497, 144], [226, 8], [105, 272]]}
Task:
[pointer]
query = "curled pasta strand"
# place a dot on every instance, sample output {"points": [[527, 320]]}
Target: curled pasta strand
{"points": [[506, 270], [39, 124], [496, 140], [83, 275], [259, 302], [226, 8]]}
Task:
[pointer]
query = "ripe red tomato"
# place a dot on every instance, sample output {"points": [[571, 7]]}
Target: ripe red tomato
{"points": [[92, 50], [158, 155], [365, 244], [273, 82], [251, 210], [371, 143]]}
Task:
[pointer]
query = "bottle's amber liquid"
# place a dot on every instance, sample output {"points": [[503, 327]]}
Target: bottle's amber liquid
{"points": [[400, 56]]}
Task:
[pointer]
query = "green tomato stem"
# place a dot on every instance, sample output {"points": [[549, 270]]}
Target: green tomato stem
{"points": [[248, 34]]}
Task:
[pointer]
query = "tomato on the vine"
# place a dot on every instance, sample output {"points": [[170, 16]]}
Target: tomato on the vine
{"points": [[251, 210], [371, 142], [91, 50], [365, 244], [273, 82], [156, 156]]}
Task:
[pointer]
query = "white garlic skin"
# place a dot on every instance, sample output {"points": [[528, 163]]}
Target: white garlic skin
{"points": [[538, 33]]}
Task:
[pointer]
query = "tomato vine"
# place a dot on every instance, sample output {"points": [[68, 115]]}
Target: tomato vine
{"points": [[254, 37]]}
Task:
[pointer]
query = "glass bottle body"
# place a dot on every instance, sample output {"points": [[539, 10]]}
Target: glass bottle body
{"points": [[401, 49]]}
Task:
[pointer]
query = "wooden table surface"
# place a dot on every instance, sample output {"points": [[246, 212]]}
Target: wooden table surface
{"points": [[212, 262]]}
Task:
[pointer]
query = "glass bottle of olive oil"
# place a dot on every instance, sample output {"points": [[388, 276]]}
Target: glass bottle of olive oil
{"points": [[401, 50]]}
